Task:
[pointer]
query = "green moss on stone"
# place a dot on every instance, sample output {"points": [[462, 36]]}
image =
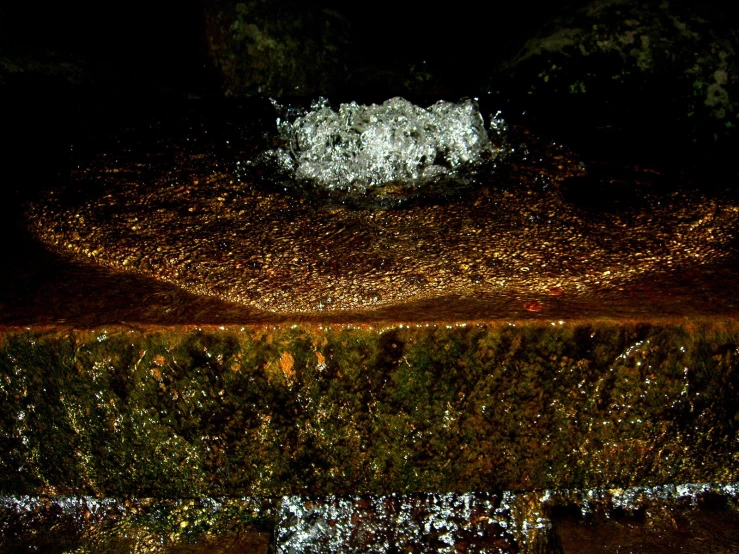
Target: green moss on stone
{"points": [[179, 412]]}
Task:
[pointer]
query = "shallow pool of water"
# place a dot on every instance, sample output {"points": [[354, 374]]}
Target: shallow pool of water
{"points": [[166, 214]]}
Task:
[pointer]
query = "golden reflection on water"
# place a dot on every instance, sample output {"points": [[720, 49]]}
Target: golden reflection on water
{"points": [[188, 220]]}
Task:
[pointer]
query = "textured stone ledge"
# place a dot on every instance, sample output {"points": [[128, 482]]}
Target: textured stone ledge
{"points": [[685, 518], [294, 410]]}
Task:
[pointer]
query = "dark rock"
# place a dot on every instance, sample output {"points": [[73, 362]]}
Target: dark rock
{"points": [[279, 48], [662, 71]]}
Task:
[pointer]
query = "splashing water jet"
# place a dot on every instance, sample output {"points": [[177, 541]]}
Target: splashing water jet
{"points": [[357, 147]]}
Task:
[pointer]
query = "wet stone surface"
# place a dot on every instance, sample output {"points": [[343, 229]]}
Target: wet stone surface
{"points": [[179, 211], [430, 523], [88, 524], [296, 410], [687, 518], [533, 365]]}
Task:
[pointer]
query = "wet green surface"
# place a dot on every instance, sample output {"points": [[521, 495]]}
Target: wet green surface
{"points": [[188, 412], [180, 207]]}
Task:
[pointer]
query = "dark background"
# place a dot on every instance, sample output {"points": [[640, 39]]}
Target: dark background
{"points": [[143, 53], [163, 43]]}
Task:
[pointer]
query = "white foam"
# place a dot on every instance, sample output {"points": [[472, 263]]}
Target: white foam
{"points": [[358, 146]]}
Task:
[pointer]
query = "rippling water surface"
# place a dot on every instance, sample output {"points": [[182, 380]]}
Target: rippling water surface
{"points": [[166, 221]]}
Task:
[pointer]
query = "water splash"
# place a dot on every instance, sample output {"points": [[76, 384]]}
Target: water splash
{"points": [[358, 147]]}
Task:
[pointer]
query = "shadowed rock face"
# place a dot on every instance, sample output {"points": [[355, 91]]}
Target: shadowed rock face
{"points": [[665, 69], [277, 48], [184, 212]]}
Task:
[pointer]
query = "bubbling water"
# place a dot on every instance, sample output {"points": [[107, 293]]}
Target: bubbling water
{"points": [[358, 147]]}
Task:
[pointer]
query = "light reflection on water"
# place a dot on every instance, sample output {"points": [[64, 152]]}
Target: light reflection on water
{"points": [[357, 147], [48, 290], [41, 287], [532, 239]]}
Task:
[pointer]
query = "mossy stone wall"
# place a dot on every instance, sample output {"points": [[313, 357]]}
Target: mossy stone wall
{"points": [[183, 412]]}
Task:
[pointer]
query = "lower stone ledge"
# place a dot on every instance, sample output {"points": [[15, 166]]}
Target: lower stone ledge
{"points": [[686, 518]]}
